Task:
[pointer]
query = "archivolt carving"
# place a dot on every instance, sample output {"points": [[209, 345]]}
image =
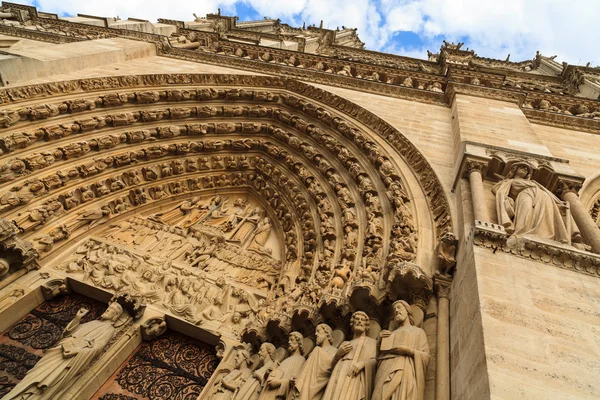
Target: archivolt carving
{"points": [[333, 196]]}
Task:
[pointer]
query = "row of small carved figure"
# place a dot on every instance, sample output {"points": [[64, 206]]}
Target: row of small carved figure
{"points": [[139, 196], [328, 118], [306, 147], [579, 110], [392, 366], [45, 111], [330, 66], [183, 291]]}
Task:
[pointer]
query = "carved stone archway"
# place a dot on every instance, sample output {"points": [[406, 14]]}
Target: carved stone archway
{"points": [[344, 186]]}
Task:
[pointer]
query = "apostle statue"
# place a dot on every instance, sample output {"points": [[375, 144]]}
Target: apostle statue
{"points": [[280, 380], [525, 207], [57, 371], [312, 379], [231, 383], [352, 376], [250, 390], [404, 355]]}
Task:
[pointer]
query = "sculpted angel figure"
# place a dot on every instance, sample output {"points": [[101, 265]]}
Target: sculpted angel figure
{"points": [[525, 207], [403, 359]]}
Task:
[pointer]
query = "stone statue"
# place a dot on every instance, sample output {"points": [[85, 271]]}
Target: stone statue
{"points": [[58, 369], [281, 379], [311, 381], [231, 383], [404, 355], [261, 235], [525, 207], [250, 390], [352, 376]]}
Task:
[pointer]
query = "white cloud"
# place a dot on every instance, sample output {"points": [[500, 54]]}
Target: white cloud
{"points": [[493, 28]]}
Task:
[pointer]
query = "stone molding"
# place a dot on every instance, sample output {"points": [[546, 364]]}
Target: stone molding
{"points": [[493, 237]]}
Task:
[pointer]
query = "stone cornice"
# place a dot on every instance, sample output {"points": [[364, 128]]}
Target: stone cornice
{"points": [[494, 237]]}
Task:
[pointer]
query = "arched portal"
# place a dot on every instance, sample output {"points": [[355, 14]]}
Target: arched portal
{"points": [[223, 172]]}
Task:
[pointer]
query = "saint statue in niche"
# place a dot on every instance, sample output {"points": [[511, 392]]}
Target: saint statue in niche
{"points": [[404, 355], [55, 373], [525, 207]]}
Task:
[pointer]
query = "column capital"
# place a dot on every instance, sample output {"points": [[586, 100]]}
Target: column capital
{"points": [[441, 285], [566, 185], [472, 164]]}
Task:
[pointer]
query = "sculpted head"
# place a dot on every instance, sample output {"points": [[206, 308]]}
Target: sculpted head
{"points": [[242, 356], [236, 317], [402, 311], [113, 312], [4, 267], [295, 342], [266, 351], [520, 171], [359, 322], [322, 333]]}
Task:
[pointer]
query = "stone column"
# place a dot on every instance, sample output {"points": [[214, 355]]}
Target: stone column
{"points": [[475, 173], [583, 219], [442, 378]]}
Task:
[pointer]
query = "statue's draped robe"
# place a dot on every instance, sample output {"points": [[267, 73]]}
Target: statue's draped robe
{"points": [[285, 372], [342, 385], [250, 390], [235, 378], [310, 383], [57, 373], [536, 211], [403, 377]]}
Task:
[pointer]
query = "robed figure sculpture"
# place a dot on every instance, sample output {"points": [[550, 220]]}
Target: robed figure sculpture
{"points": [[525, 207], [403, 359], [55, 373], [352, 377], [311, 381], [280, 380]]}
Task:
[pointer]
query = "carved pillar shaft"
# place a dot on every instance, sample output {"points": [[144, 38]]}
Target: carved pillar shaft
{"points": [[442, 379], [477, 195], [585, 223]]}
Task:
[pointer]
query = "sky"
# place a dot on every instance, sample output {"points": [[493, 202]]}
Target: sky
{"points": [[493, 28]]}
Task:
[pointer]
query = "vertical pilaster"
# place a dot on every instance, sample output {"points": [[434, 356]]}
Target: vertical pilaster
{"points": [[475, 173], [442, 379]]}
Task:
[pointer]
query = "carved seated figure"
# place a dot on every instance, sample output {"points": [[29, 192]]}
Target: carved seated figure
{"points": [[525, 207]]}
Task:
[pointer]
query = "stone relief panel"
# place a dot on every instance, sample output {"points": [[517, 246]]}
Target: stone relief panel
{"points": [[169, 366], [23, 344]]}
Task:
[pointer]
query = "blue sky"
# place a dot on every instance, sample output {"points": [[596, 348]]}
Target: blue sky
{"points": [[493, 28]]}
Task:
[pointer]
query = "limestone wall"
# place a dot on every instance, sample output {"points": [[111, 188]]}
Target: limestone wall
{"points": [[541, 326]]}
